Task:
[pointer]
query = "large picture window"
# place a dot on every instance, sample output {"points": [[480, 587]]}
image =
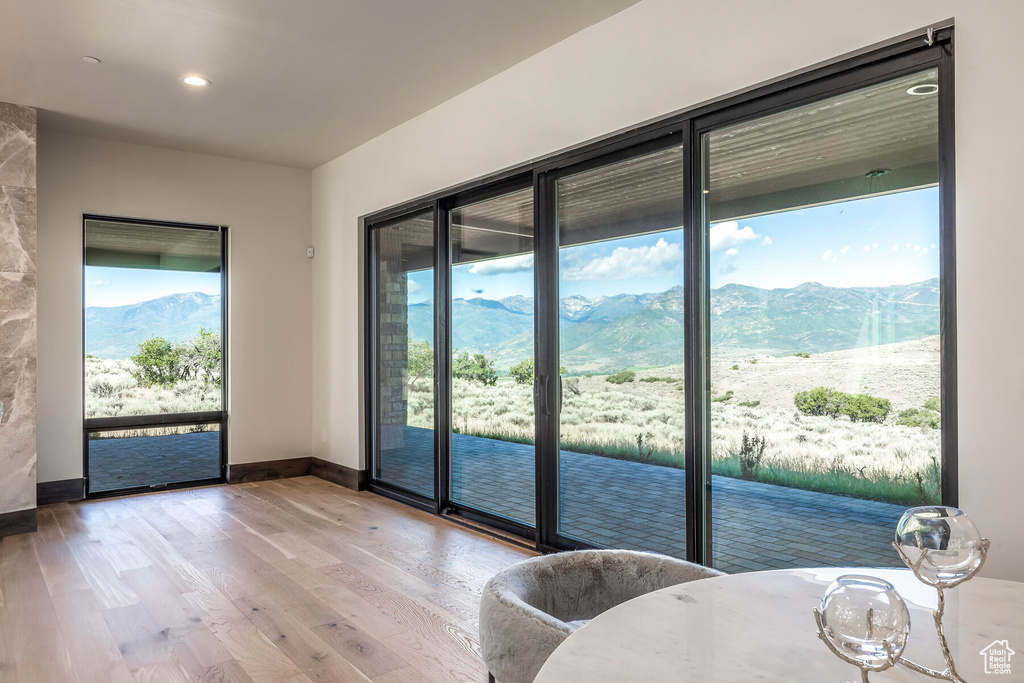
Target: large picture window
{"points": [[726, 336], [154, 354]]}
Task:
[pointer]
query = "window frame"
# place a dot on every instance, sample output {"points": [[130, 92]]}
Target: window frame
{"points": [[218, 417], [907, 54]]}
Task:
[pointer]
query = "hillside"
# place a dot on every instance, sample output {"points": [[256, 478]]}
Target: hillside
{"points": [[116, 332], [646, 330], [603, 333]]}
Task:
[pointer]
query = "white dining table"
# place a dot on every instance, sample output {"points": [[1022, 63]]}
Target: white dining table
{"points": [[760, 627]]}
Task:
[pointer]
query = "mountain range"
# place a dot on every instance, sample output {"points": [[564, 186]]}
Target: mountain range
{"points": [[608, 333], [117, 331], [604, 333]]}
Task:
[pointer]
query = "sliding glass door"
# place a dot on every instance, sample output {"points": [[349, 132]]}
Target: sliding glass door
{"points": [[154, 354], [727, 337], [492, 356], [403, 384], [621, 351], [825, 258]]}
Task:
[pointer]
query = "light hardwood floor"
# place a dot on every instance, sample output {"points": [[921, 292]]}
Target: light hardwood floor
{"points": [[280, 581]]}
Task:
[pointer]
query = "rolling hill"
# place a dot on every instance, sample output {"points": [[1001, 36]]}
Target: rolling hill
{"points": [[116, 332], [606, 333], [646, 330]]}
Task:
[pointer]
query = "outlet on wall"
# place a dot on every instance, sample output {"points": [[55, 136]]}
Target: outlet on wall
{"points": [[324, 436]]}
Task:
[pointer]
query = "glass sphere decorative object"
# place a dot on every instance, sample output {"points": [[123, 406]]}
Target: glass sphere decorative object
{"points": [[866, 620], [941, 544]]}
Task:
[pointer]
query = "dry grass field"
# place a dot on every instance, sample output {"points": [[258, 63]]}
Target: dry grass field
{"points": [[112, 390], [644, 419]]}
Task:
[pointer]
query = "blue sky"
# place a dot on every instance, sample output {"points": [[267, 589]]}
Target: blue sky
{"points": [[122, 286], [871, 242]]}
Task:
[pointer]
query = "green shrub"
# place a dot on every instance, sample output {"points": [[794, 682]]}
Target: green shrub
{"points": [[420, 362], [724, 397], [829, 402], [821, 401], [913, 417], [750, 404], [669, 380], [156, 363], [751, 454], [522, 372], [864, 408], [200, 358], [621, 377], [933, 404], [476, 368], [643, 453], [735, 367], [802, 354]]}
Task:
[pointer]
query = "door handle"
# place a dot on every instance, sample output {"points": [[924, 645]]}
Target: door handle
{"points": [[559, 402], [541, 391]]}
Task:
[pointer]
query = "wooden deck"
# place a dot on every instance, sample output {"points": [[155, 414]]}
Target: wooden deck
{"points": [[282, 581]]}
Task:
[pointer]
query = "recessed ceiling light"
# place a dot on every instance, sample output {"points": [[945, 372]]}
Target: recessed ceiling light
{"points": [[923, 89], [195, 81], [91, 60]]}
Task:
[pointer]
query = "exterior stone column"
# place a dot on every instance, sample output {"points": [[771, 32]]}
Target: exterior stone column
{"points": [[17, 319], [393, 341]]}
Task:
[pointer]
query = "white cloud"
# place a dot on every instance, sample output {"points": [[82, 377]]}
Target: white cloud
{"points": [[867, 247], [732, 252], [509, 264], [767, 241], [844, 249], [895, 247], [875, 245], [98, 283], [414, 286], [917, 247], [925, 250], [729, 235], [908, 245], [931, 246], [624, 263], [826, 255]]}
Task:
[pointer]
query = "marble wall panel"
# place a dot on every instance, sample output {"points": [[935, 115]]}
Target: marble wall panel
{"points": [[17, 146], [17, 230], [17, 308], [17, 434]]}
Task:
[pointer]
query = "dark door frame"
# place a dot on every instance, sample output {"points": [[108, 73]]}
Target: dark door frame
{"points": [[219, 417]]}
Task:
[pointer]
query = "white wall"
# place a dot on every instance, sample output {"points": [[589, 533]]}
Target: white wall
{"points": [[663, 55], [267, 209]]}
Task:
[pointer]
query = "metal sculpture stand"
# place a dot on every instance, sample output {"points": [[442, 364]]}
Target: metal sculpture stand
{"points": [[949, 673]]}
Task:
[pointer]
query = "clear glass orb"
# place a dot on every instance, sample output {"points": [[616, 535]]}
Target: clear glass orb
{"points": [[860, 615], [942, 542]]}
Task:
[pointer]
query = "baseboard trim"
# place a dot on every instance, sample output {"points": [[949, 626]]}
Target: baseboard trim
{"points": [[348, 477], [287, 468], [339, 474], [62, 491], [17, 522]]}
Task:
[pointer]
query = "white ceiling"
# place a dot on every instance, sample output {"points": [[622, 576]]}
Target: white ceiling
{"points": [[295, 82]]}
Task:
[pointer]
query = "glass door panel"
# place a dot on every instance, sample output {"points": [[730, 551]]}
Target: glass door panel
{"points": [[824, 233], [404, 274], [621, 346], [492, 321]]}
